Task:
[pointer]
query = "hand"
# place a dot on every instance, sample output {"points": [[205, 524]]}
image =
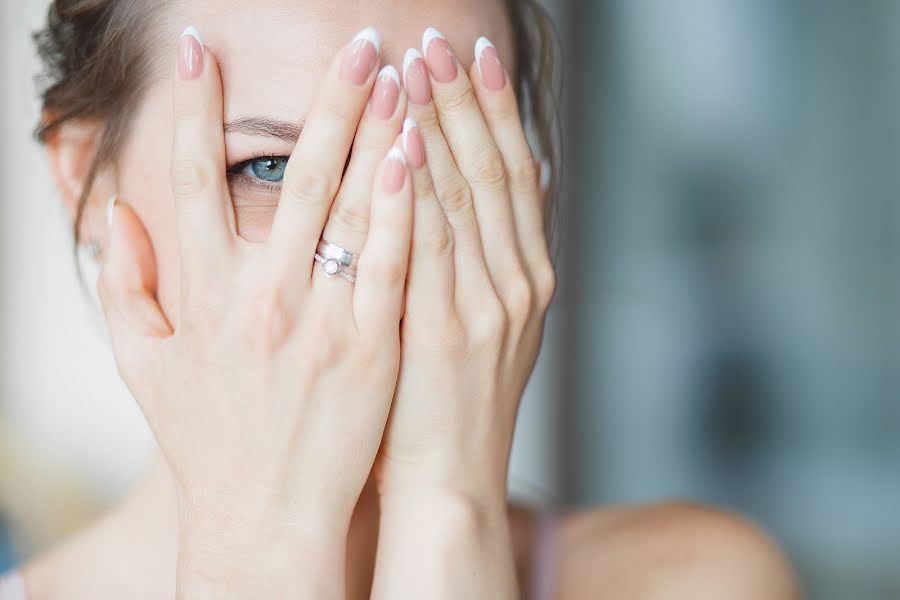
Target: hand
{"points": [[479, 286], [270, 395]]}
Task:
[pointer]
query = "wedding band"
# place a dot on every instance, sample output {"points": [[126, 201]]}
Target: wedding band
{"points": [[332, 251], [332, 267]]}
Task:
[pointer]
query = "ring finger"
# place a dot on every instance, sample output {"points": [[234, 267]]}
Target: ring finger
{"points": [[449, 186], [478, 158], [348, 222]]}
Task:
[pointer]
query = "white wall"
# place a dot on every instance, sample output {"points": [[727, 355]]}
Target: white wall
{"points": [[62, 401]]}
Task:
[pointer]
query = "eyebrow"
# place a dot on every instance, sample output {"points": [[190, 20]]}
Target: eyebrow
{"points": [[265, 127]]}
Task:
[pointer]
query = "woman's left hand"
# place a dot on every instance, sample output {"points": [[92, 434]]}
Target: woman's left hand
{"points": [[479, 285]]}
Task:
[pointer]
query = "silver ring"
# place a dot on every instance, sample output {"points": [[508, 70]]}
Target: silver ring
{"points": [[343, 256], [332, 267]]}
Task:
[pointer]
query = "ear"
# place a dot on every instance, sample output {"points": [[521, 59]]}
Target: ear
{"points": [[71, 149]]}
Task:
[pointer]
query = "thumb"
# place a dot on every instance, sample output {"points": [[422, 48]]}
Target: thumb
{"points": [[127, 290]]}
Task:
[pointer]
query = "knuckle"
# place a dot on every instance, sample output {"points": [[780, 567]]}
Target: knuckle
{"points": [[546, 282], [388, 273], [307, 186], [191, 176], [490, 326], [506, 110], [521, 299], [330, 349], [524, 174], [459, 101], [341, 113], [350, 216], [428, 122], [490, 169], [202, 307], [187, 113], [266, 321], [366, 350], [454, 195], [198, 321], [438, 241]]}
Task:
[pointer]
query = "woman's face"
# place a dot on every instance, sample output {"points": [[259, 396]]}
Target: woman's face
{"points": [[272, 55]]}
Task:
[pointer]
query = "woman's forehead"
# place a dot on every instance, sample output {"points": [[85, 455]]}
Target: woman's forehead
{"points": [[273, 53]]}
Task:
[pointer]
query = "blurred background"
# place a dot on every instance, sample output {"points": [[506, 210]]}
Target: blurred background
{"points": [[727, 327]]}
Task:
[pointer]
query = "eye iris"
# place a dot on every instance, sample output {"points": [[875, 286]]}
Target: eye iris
{"points": [[269, 169]]}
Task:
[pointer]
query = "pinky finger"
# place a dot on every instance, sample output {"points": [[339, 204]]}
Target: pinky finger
{"points": [[496, 96], [384, 261]]}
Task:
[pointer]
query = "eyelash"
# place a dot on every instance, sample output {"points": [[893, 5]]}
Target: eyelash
{"points": [[236, 172]]}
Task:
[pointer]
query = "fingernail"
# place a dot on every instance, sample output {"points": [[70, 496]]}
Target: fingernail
{"points": [[441, 60], [413, 145], [415, 77], [489, 66], [394, 171], [546, 175], [386, 92], [110, 209], [360, 57], [190, 55]]}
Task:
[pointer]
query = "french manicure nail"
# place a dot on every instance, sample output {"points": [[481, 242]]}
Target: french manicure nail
{"points": [[489, 66], [360, 57], [110, 208], [394, 171], [190, 55], [386, 92], [415, 77], [440, 57], [413, 145]]}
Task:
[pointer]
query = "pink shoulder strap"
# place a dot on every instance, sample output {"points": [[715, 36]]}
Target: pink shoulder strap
{"points": [[545, 557], [12, 587]]}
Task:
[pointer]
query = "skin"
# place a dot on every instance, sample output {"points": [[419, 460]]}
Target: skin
{"points": [[441, 512]]}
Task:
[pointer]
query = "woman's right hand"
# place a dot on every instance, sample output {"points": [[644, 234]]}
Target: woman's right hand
{"points": [[270, 394]]}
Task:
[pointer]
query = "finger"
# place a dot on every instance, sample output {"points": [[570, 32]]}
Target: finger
{"points": [[497, 99], [127, 290], [384, 261], [450, 188], [348, 223], [479, 160], [203, 207], [431, 278], [316, 166]]}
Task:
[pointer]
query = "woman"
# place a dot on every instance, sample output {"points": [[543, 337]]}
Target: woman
{"points": [[325, 279]]}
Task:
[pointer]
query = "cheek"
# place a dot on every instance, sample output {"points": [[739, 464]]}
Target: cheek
{"points": [[254, 216]]}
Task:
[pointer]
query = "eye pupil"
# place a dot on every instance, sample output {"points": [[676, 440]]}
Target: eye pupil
{"points": [[269, 169]]}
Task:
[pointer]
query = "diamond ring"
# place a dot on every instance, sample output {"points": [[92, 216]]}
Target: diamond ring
{"points": [[336, 261]]}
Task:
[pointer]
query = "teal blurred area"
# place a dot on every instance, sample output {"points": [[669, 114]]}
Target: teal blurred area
{"points": [[730, 297]]}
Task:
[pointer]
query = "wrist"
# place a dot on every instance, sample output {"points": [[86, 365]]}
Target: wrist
{"points": [[226, 557], [449, 482], [454, 508], [460, 546]]}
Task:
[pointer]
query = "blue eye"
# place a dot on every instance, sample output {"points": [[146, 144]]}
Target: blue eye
{"points": [[268, 168]]}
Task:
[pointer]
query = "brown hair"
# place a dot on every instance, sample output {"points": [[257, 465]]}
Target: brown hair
{"points": [[95, 56], [94, 68]]}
